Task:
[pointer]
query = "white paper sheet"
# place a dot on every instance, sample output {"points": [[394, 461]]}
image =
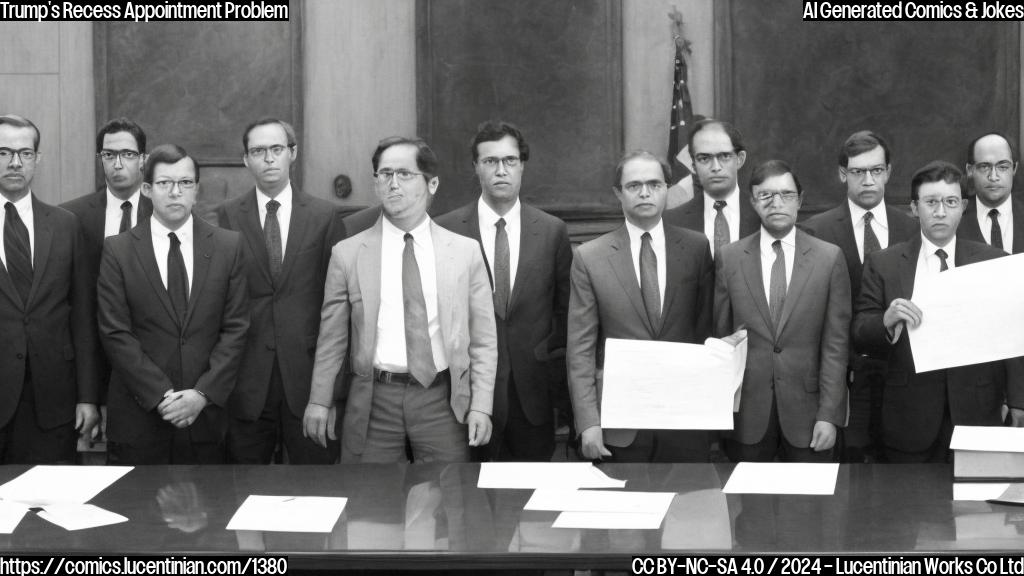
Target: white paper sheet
{"points": [[609, 520], [79, 516], [670, 385], [46, 485], [955, 330], [530, 475], [987, 439], [599, 501], [978, 491], [11, 514], [288, 513], [779, 478]]}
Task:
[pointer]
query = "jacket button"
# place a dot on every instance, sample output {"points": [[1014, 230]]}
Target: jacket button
{"points": [[778, 350], [20, 356]]}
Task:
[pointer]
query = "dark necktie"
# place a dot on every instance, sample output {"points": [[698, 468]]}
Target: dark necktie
{"points": [[18, 252], [177, 278], [502, 271], [126, 217], [777, 284], [272, 236], [721, 226], [649, 288], [419, 355], [871, 243], [942, 259], [997, 230]]}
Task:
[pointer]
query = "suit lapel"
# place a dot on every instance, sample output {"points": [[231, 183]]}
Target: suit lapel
{"points": [[444, 270], [750, 222], [368, 264], [298, 228], [202, 253], [471, 228], [43, 240], [751, 267], [143, 244], [529, 252], [674, 252], [621, 260], [803, 264], [847, 242], [96, 223], [145, 209], [1018, 226], [249, 222], [908, 269]]}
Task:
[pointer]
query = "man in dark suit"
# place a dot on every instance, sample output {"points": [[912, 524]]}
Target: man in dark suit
{"points": [[719, 212], [859, 226], [50, 383], [288, 240], [173, 316], [919, 410], [645, 281], [792, 293], [528, 255], [993, 216]]}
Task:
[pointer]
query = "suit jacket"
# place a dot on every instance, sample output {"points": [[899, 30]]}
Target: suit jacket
{"points": [[605, 302], [348, 327], [691, 215], [535, 323], [285, 317], [362, 220], [969, 229], [802, 363], [54, 333], [142, 335], [914, 403]]}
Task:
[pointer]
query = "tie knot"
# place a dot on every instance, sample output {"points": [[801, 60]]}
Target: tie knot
{"points": [[719, 204], [941, 254], [868, 216], [993, 213], [174, 239], [500, 223], [777, 246], [126, 205], [645, 237], [9, 207], [272, 206], [408, 237]]}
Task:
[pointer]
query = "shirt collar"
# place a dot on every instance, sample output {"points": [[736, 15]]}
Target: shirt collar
{"points": [[420, 234], [732, 200], [113, 202], [1005, 208], [879, 214], [284, 198], [184, 233], [789, 240], [23, 206], [928, 249], [657, 232], [488, 217]]}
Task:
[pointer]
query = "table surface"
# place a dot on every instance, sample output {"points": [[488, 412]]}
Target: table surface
{"points": [[434, 516]]}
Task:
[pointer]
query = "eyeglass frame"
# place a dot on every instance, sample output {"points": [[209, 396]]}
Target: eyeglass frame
{"points": [[119, 154], [492, 162], [723, 158], [859, 173], [260, 152], [1002, 167], [653, 185], [933, 204], [785, 195], [166, 186], [20, 153], [397, 175]]}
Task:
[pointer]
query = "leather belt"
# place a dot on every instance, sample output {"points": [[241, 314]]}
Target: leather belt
{"points": [[404, 378]]}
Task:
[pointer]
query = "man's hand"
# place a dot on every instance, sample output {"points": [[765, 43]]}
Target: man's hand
{"points": [[318, 423], [824, 436], [181, 408], [901, 311], [736, 337], [87, 419], [479, 425], [592, 444], [1016, 416]]}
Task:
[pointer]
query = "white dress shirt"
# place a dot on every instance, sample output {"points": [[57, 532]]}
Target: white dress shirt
{"points": [[513, 229], [879, 225], [390, 354], [1005, 222], [768, 258], [284, 212], [928, 264], [112, 215], [24, 208], [732, 216], [658, 244], [162, 246]]}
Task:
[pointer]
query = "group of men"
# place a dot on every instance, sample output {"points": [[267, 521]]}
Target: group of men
{"points": [[448, 338]]}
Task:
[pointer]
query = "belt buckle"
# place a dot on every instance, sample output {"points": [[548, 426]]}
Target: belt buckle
{"points": [[383, 376]]}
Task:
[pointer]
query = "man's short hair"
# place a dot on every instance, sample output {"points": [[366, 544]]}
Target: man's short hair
{"points": [[289, 132], [122, 125], [166, 154], [426, 160], [970, 147], [770, 169], [734, 135], [859, 143], [936, 171], [21, 122], [666, 170], [492, 131]]}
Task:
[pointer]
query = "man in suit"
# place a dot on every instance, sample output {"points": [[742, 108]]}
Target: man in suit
{"points": [[919, 410], [645, 281], [528, 254], [792, 293], [993, 216], [717, 150], [50, 383], [173, 316], [862, 225], [362, 220], [409, 304], [288, 240]]}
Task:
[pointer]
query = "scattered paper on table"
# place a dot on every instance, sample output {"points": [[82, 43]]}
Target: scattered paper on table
{"points": [[528, 475], [1014, 494], [288, 513], [567, 500], [987, 439], [47, 485], [11, 514], [609, 520], [782, 478], [79, 516], [978, 491]]}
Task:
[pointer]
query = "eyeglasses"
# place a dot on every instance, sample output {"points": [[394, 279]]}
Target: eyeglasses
{"points": [[722, 157], [768, 196], [25, 154], [636, 187], [1001, 168], [951, 202], [875, 171], [184, 185], [492, 162], [125, 155], [400, 175], [257, 152]]}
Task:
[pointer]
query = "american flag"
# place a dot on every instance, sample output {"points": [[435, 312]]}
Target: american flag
{"points": [[682, 118]]}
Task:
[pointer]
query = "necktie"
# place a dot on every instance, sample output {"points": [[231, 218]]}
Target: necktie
{"points": [[649, 288], [942, 259], [870, 240], [126, 217], [272, 236], [502, 271], [997, 230], [721, 226], [777, 284], [419, 354], [18, 252], [177, 278]]}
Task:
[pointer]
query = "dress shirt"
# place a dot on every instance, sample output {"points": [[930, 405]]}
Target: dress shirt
{"points": [[284, 212], [768, 257], [732, 216], [390, 354], [879, 225], [513, 229], [658, 243], [112, 217], [1005, 222], [24, 208], [162, 245], [928, 264]]}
